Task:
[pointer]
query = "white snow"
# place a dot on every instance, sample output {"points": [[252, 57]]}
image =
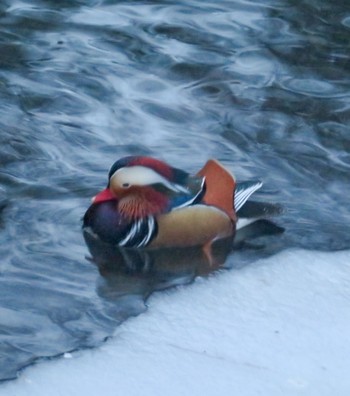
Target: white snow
{"points": [[280, 326]]}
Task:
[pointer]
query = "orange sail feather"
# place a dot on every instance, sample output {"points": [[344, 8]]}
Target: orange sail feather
{"points": [[220, 187]]}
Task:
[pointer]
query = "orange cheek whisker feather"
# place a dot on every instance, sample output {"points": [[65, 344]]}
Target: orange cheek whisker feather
{"points": [[147, 202]]}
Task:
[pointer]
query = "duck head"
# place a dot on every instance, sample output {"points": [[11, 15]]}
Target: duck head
{"points": [[145, 186]]}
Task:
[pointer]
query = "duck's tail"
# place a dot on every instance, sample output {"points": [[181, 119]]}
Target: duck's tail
{"points": [[252, 216]]}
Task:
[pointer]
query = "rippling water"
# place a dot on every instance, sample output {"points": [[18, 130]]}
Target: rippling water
{"points": [[262, 87]]}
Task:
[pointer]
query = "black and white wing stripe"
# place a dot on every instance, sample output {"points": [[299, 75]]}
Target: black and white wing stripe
{"points": [[251, 212], [140, 233], [243, 192]]}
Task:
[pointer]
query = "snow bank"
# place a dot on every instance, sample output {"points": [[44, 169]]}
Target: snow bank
{"points": [[278, 327]]}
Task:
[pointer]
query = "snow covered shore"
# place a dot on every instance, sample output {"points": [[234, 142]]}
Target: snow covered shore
{"points": [[278, 327]]}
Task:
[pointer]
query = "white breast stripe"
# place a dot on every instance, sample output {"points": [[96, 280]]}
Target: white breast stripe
{"points": [[134, 229], [150, 226]]}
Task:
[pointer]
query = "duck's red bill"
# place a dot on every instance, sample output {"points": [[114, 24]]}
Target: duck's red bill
{"points": [[104, 195]]}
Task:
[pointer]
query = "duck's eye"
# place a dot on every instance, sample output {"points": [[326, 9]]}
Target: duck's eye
{"points": [[125, 185]]}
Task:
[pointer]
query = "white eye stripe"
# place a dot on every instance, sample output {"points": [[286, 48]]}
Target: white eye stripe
{"points": [[136, 175], [142, 176]]}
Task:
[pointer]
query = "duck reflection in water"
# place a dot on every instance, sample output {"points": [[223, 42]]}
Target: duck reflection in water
{"points": [[128, 271]]}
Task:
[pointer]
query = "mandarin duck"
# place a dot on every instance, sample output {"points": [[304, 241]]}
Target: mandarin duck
{"points": [[150, 204]]}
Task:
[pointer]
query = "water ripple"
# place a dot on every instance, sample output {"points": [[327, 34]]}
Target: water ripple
{"points": [[313, 87]]}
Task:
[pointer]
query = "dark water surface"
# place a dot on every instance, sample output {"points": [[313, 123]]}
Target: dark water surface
{"points": [[262, 86]]}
